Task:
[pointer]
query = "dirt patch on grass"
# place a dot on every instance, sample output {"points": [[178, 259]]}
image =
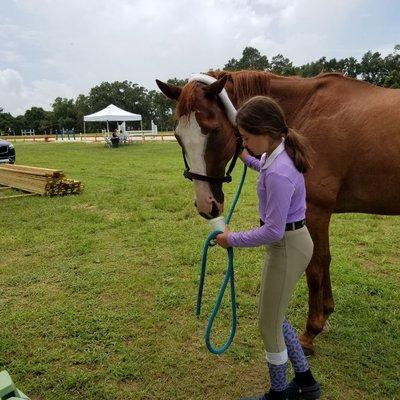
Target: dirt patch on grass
{"points": [[108, 215]]}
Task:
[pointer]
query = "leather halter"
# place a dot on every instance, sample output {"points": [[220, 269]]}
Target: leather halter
{"points": [[214, 179], [230, 110]]}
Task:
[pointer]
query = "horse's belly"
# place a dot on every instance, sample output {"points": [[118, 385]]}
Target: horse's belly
{"points": [[370, 194]]}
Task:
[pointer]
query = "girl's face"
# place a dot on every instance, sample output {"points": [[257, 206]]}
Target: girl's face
{"points": [[257, 144]]}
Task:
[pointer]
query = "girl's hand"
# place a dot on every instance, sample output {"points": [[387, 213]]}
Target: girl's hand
{"points": [[222, 239], [244, 154]]}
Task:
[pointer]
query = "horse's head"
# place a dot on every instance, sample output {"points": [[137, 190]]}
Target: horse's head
{"points": [[207, 140]]}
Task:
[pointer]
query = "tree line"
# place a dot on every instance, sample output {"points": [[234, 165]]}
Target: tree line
{"points": [[153, 105]]}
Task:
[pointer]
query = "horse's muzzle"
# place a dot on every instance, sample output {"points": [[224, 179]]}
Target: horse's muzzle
{"points": [[215, 211]]}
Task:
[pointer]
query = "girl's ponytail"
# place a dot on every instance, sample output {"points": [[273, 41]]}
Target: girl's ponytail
{"points": [[297, 150]]}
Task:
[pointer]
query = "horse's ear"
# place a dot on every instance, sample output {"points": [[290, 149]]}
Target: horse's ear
{"points": [[217, 86], [171, 91]]}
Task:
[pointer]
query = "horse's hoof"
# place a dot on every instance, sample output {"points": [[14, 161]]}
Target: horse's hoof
{"points": [[307, 344], [308, 352]]}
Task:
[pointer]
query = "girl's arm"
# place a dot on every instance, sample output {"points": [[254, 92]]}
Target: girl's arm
{"points": [[249, 160], [279, 193]]}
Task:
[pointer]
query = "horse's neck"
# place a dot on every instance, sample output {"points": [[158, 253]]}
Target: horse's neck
{"points": [[291, 93]]}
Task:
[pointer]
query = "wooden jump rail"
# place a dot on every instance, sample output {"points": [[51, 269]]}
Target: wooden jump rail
{"points": [[13, 196], [39, 181]]}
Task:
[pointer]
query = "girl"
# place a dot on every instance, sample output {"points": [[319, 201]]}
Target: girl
{"points": [[282, 205]]}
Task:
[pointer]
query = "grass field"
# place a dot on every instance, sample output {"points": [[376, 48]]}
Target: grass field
{"points": [[97, 291]]}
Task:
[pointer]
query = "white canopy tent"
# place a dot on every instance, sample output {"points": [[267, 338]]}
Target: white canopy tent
{"points": [[111, 113]]}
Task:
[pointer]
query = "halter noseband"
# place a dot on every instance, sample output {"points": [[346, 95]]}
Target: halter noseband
{"points": [[231, 114], [214, 179]]}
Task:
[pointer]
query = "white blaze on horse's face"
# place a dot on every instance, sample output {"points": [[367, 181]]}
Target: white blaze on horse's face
{"points": [[194, 143]]}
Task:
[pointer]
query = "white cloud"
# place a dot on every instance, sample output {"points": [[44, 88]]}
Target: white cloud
{"points": [[65, 47], [16, 97], [11, 82]]}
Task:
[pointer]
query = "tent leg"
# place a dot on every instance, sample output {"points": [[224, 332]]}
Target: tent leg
{"points": [[107, 128]]}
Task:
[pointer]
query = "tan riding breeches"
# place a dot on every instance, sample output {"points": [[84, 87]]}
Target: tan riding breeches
{"points": [[285, 262]]}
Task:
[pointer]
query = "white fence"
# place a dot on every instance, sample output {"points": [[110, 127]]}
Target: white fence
{"points": [[91, 137]]}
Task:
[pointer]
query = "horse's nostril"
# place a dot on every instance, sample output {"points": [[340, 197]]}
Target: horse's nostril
{"points": [[214, 210], [195, 204]]}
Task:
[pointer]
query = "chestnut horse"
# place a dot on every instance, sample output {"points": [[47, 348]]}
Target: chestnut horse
{"points": [[353, 129]]}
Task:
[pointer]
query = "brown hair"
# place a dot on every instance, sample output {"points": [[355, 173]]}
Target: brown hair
{"points": [[262, 115]]}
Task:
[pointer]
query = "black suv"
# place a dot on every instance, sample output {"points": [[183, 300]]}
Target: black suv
{"points": [[7, 152]]}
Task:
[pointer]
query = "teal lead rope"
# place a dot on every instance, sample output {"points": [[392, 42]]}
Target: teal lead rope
{"points": [[229, 278]]}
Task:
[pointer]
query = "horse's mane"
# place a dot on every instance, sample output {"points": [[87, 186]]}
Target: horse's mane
{"points": [[245, 84]]}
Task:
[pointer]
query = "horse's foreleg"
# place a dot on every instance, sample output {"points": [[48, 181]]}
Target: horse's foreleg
{"points": [[318, 278], [329, 303]]}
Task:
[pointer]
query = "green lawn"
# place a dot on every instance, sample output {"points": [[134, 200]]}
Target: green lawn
{"points": [[97, 291]]}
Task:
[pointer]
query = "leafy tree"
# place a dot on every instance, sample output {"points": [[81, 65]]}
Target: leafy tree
{"points": [[38, 119], [46, 124], [19, 124], [349, 67], [82, 108], [282, 66], [314, 68], [392, 80], [6, 122], [232, 65], [161, 110], [372, 68], [64, 113], [392, 64], [126, 95], [177, 82], [251, 59]]}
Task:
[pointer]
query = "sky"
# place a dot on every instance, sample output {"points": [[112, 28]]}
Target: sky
{"points": [[62, 48]]}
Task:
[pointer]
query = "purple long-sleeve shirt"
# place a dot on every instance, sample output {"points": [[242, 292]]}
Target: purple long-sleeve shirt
{"points": [[281, 198]]}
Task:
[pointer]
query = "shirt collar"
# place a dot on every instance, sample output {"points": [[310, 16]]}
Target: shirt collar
{"points": [[266, 161]]}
